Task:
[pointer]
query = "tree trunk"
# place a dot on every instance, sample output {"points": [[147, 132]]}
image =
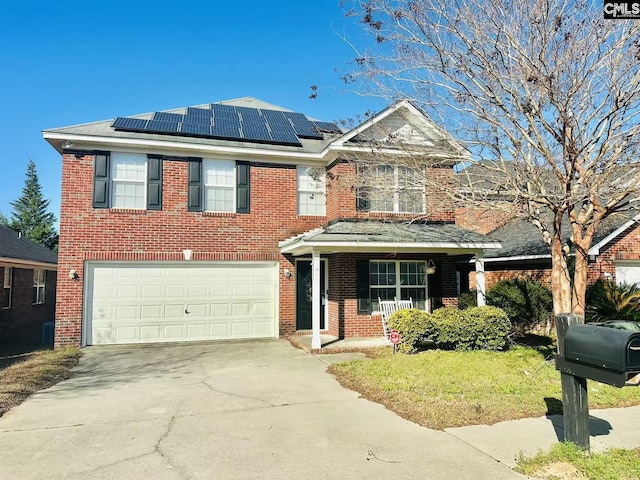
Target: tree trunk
{"points": [[560, 279], [580, 277]]}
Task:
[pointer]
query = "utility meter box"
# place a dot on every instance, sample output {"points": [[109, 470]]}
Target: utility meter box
{"points": [[608, 355]]}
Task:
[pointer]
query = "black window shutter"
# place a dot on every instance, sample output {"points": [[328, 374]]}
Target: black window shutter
{"points": [[243, 187], [154, 182], [362, 279], [101, 180], [194, 202], [362, 199]]}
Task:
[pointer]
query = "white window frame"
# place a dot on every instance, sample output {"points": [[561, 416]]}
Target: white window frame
{"points": [[397, 285], [395, 189], [118, 158], [312, 184], [7, 286], [39, 286], [229, 185]]}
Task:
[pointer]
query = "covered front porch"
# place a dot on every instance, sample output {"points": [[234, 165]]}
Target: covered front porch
{"points": [[352, 264]]}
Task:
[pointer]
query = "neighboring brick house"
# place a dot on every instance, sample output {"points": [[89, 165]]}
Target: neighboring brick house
{"points": [[239, 219], [28, 273], [614, 255]]}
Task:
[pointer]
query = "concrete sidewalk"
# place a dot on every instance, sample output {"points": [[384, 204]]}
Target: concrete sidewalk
{"points": [[505, 441], [255, 410]]}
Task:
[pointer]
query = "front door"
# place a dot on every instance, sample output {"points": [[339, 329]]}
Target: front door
{"points": [[303, 295]]}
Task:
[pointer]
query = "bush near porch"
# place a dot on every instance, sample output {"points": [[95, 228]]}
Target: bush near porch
{"points": [[448, 328], [527, 303]]}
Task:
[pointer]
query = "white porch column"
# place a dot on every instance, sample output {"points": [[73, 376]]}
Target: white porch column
{"points": [[480, 284], [316, 300]]}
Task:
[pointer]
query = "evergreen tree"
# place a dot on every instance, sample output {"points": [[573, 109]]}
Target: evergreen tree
{"points": [[30, 215]]}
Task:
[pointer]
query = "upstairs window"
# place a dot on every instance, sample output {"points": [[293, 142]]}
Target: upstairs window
{"points": [[219, 185], [391, 189], [128, 181], [7, 284], [39, 279], [311, 191]]}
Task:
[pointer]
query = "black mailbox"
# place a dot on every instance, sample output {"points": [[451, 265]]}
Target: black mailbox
{"points": [[607, 355]]}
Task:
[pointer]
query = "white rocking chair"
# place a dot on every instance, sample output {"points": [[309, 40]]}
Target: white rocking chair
{"points": [[387, 307], [402, 304]]}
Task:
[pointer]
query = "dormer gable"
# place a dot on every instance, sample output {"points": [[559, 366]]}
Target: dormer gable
{"points": [[403, 128]]}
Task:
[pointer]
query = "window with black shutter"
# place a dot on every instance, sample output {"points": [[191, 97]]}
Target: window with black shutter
{"points": [[194, 203], [101, 170], [154, 182]]}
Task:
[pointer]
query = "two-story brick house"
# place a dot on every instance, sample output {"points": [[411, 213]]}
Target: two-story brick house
{"points": [[240, 219]]}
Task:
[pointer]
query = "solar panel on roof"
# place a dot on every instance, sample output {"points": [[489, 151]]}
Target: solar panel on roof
{"points": [[281, 129], [254, 126], [303, 127], [168, 117], [255, 131], [232, 122], [198, 115], [124, 123], [226, 127], [223, 111], [162, 127], [327, 127], [196, 129]]}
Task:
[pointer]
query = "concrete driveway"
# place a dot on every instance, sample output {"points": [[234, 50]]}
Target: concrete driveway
{"points": [[226, 410]]}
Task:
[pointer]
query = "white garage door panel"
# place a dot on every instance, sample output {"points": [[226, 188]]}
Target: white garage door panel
{"points": [[627, 272], [139, 303]]}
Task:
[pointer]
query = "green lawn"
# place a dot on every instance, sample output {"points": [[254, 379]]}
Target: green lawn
{"points": [[568, 461], [441, 389]]}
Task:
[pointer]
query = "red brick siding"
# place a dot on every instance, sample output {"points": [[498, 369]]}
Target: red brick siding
{"points": [[481, 220], [492, 277], [103, 234], [624, 247], [130, 235], [22, 322]]}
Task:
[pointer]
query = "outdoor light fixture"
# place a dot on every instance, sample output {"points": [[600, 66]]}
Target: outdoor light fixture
{"points": [[287, 273], [431, 268], [67, 144], [73, 275]]}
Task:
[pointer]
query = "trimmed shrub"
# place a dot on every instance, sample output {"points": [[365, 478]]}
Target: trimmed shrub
{"points": [[410, 323], [491, 327], [476, 328], [608, 301], [468, 300], [526, 303], [445, 329]]}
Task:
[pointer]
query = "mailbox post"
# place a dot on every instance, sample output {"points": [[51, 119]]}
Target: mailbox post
{"points": [[575, 398], [607, 355]]}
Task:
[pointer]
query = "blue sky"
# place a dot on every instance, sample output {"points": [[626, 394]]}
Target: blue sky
{"points": [[72, 62]]}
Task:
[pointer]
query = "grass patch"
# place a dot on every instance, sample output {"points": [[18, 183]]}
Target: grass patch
{"points": [[36, 371], [566, 460], [441, 389]]}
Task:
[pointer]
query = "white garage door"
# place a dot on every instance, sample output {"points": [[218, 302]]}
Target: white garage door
{"points": [[627, 272], [142, 303]]}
